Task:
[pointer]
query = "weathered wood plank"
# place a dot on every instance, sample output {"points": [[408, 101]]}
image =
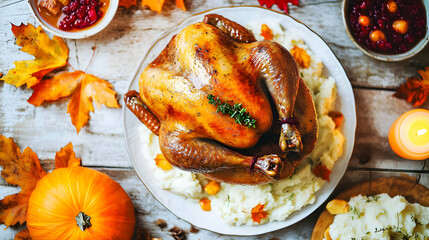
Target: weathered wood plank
{"points": [[376, 111]]}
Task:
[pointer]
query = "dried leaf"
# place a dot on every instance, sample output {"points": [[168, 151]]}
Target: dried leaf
{"points": [[49, 55], [301, 56], [23, 235], [258, 213], [22, 169], [322, 172], [66, 157], [127, 3], [415, 90], [266, 32], [154, 5], [180, 4], [282, 4], [84, 88]]}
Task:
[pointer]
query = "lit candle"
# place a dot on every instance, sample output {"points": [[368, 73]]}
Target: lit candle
{"points": [[409, 135]]}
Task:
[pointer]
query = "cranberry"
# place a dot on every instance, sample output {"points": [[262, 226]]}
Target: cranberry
{"points": [[66, 10], [364, 4]]}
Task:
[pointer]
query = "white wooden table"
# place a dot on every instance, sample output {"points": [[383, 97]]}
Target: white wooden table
{"points": [[120, 47]]}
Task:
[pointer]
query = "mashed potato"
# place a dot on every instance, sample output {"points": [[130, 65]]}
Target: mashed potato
{"points": [[381, 217], [234, 203]]}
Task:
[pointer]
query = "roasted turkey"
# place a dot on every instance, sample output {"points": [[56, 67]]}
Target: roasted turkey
{"points": [[220, 58]]}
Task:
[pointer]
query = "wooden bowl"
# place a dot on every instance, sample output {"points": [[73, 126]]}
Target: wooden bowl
{"points": [[413, 192]]}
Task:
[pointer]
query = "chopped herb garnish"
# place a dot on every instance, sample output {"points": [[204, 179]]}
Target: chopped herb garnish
{"points": [[236, 111], [290, 197], [356, 212]]}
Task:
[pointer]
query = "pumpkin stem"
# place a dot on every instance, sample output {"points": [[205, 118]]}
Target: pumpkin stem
{"points": [[83, 221]]}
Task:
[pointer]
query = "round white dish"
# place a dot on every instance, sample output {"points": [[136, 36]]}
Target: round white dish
{"points": [[189, 210], [104, 21]]}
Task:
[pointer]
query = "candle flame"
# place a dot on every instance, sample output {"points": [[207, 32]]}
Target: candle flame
{"points": [[421, 132]]}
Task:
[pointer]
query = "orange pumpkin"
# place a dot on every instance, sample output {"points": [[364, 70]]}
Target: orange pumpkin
{"points": [[79, 203]]}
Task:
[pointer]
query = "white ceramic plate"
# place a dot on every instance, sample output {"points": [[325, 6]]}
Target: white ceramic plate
{"points": [[190, 210]]}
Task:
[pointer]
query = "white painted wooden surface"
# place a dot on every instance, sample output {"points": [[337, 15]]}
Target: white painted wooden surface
{"points": [[119, 49]]}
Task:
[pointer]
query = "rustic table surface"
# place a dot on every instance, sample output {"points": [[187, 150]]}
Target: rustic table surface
{"points": [[120, 47]]}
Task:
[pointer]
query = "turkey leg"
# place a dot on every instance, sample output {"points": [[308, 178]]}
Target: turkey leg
{"points": [[280, 72], [186, 151]]}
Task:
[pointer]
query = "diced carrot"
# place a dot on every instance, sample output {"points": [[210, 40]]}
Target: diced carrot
{"points": [[162, 163], [337, 117], [205, 204], [212, 187], [301, 56]]}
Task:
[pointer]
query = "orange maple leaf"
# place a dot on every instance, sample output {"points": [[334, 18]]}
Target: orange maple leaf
{"points": [[156, 5], [66, 157], [415, 90], [266, 32], [322, 172], [301, 56], [49, 55], [84, 89], [258, 213], [24, 234], [22, 169], [127, 3]]}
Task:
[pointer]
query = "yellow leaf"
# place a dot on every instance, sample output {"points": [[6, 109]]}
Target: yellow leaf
{"points": [[66, 157], [49, 55], [22, 169]]}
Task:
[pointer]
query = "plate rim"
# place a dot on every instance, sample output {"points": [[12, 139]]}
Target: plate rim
{"points": [[353, 121]]}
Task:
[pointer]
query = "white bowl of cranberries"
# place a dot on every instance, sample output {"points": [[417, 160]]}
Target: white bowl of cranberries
{"points": [[387, 30], [74, 19]]}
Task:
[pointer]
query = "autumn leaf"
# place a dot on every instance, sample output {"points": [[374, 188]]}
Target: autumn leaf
{"points": [[127, 3], [415, 90], [282, 4], [266, 32], [84, 89], [258, 213], [301, 56], [49, 55], [23, 235], [180, 4], [66, 157], [156, 5], [322, 172], [22, 169]]}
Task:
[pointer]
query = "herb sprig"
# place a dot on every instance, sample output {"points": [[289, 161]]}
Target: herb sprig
{"points": [[236, 111]]}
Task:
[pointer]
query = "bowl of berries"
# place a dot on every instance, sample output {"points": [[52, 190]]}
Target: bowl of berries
{"points": [[74, 19], [387, 30]]}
